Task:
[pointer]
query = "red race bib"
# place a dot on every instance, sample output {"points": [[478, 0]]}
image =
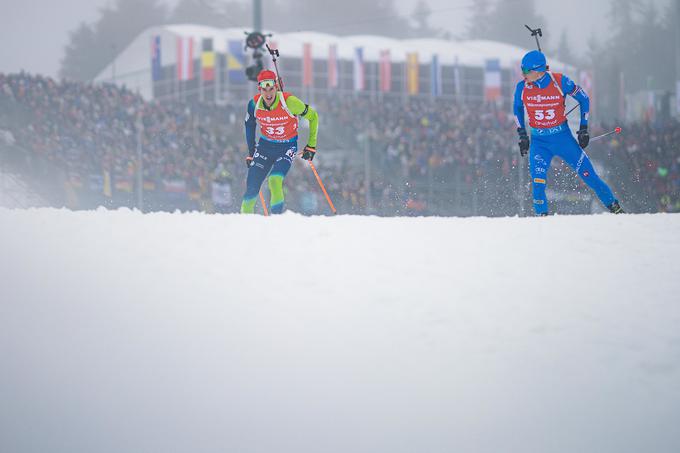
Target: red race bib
{"points": [[545, 106], [277, 124]]}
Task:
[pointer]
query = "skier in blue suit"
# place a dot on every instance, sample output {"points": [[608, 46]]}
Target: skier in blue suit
{"points": [[543, 94]]}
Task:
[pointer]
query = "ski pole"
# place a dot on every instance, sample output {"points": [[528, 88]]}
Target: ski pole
{"points": [[535, 33], [318, 179], [572, 109], [275, 53], [617, 130], [264, 205]]}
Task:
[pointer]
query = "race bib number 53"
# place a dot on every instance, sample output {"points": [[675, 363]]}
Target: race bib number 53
{"points": [[544, 114]]}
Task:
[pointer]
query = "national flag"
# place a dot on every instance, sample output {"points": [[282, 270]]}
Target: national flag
{"points": [[385, 71], [236, 62], [95, 182], [333, 66], [307, 65], [156, 65], [208, 60], [456, 77], [75, 180], [412, 73], [651, 106], [174, 185], [359, 75], [435, 77], [492, 80], [185, 58], [107, 184], [124, 184]]}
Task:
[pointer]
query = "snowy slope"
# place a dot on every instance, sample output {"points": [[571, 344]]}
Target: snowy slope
{"points": [[122, 332]]}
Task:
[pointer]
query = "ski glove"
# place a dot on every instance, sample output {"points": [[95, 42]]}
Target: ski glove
{"points": [[583, 137], [249, 161], [523, 141], [308, 153]]}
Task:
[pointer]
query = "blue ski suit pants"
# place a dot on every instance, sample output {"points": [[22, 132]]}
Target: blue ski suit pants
{"points": [[564, 145], [273, 159]]}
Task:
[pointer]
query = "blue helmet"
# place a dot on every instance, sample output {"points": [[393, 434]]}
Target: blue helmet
{"points": [[534, 61]]}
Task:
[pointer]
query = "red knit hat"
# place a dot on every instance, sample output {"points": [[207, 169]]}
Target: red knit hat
{"points": [[266, 74]]}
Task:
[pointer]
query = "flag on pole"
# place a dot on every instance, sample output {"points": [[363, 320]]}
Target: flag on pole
{"points": [[236, 62], [435, 77], [492, 80], [385, 71], [650, 112], [185, 58], [456, 77], [307, 65], [412, 73], [208, 61], [218, 78], [359, 76], [156, 65], [333, 66]]}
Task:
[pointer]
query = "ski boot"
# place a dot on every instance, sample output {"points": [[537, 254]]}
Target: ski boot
{"points": [[615, 208]]}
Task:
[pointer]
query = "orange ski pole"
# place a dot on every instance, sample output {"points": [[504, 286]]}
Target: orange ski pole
{"points": [[330, 203], [264, 205]]}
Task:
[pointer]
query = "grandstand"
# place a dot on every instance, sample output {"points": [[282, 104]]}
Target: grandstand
{"points": [[80, 147]]}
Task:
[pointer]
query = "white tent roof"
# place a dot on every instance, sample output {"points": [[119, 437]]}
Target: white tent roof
{"points": [[133, 64]]}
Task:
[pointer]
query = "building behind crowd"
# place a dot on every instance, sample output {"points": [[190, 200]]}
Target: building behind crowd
{"points": [[191, 62]]}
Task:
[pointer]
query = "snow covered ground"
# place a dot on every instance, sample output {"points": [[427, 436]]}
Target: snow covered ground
{"points": [[123, 332]]}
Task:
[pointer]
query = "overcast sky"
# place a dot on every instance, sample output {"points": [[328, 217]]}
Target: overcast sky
{"points": [[33, 33]]}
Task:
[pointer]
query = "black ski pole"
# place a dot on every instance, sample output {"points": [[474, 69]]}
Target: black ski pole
{"points": [[275, 53], [572, 109], [535, 33]]}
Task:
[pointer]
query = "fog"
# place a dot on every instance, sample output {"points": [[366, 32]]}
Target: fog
{"points": [[38, 30]]}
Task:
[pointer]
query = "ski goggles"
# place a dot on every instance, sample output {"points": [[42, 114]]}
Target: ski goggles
{"points": [[267, 83], [539, 69]]}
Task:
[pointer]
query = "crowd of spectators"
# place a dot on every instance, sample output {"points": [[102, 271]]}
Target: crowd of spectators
{"points": [[418, 145], [646, 158], [389, 156], [88, 135]]}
